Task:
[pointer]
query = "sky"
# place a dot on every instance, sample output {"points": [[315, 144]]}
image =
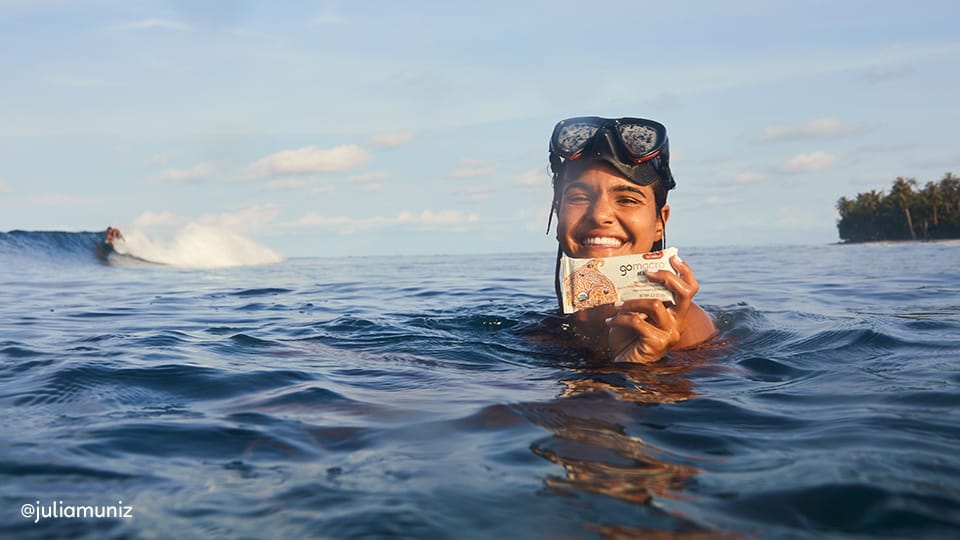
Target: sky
{"points": [[416, 127]]}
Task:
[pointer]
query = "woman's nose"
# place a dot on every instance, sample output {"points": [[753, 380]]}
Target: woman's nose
{"points": [[601, 211]]}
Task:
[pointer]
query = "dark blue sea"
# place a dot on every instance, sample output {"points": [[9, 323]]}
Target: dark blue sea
{"points": [[435, 397]]}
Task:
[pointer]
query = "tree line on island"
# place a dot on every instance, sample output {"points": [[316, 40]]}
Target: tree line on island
{"points": [[907, 212]]}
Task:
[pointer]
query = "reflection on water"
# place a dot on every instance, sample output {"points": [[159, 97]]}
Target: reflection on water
{"points": [[599, 456]]}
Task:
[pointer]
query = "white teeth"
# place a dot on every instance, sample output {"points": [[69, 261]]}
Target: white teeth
{"points": [[602, 241]]}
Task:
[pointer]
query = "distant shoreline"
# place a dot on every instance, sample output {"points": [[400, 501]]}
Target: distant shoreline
{"points": [[901, 241]]}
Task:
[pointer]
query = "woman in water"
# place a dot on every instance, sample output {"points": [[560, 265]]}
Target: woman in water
{"points": [[610, 183]]}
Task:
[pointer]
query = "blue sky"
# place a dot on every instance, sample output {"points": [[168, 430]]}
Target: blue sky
{"points": [[376, 128]]}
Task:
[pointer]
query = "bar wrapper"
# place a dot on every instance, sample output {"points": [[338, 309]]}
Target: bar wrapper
{"points": [[587, 283]]}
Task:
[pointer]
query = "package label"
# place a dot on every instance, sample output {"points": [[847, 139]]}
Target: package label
{"points": [[587, 283]]}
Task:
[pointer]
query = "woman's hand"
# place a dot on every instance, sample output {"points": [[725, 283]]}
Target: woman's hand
{"points": [[645, 330]]}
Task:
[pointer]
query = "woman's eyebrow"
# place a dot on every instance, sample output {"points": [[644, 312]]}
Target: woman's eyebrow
{"points": [[631, 189], [575, 185]]}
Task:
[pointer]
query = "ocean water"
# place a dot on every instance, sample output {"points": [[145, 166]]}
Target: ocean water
{"points": [[434, 397]]}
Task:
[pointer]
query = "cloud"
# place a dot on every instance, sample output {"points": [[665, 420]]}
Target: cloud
{"points": [[475, 194], [717, 200], [442, 219], [370, 188], [884, 74], [369, 177], [470, 168], [797, 219], [391, 140], [4, 186], [750, 178], [197, 173], [824, 128], [159, 159], [815, 161], [947, 160], [534, 177], [156, 24], [244, 221], [151, 218], [286, 184], [310, 160]]}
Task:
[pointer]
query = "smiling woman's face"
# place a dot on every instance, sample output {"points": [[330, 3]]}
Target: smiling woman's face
{"points": [[602, 214]]}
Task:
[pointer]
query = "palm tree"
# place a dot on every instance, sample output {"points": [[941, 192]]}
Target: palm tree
{"points": [[903, 196]]}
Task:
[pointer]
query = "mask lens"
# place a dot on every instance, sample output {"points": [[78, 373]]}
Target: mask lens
{"points": [[639, 139], [573, 138]]}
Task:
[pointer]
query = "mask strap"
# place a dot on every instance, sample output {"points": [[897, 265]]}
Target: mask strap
{"points": [[556, 280], [663, 236]]}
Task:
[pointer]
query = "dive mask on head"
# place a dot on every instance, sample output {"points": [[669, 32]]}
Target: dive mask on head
{"points": [[627, 144]]}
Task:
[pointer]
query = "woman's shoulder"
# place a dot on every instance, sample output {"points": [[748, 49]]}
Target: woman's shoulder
{"points": [[699, 328]]}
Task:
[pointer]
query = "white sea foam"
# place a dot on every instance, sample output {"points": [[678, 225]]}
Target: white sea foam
{"points": [[195, 246]]}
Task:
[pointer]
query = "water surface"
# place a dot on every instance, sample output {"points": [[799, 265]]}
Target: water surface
{"points": [[422, 397]]}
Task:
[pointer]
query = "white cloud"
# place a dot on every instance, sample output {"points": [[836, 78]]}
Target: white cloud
{"points": [[797, 219], [750, 178], [815, 161], [534, 177], [314, 219], [197, 173], [475, 194], [442, 217], [151, 219], [245, 221], [286, 184], [370, 188], [720, 201], [309, 160], [391, 140], [823, 128], [159, 159], [156, 24], [427, 218], [470, 168], [369, 177]]}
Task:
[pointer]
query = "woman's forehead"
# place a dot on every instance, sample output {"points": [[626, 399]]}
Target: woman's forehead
{"points": [[601, 176]]}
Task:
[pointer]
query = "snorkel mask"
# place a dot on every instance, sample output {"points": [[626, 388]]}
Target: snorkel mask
{"points": [[630, 145]]}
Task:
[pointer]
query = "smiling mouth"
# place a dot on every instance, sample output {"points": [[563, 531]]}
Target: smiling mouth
{"points": [[602, 241]]}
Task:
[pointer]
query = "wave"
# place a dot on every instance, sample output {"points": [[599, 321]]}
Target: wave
{"points": [[191, 246]]}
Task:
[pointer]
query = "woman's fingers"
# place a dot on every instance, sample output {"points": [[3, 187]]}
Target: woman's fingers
{"points": [[642, 336], [644, 330], [683, 285]]}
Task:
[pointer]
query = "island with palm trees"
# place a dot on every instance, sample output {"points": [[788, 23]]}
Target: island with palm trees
{"points": [[905, 213]]}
